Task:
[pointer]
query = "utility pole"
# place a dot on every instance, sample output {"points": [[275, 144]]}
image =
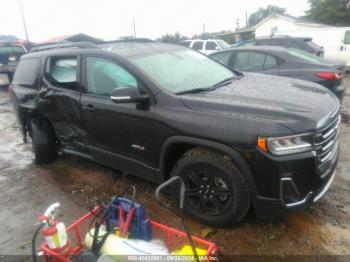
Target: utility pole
{"points": [[24, 21], [134, 26], [246, 18], [203, 30], [237, 24]]}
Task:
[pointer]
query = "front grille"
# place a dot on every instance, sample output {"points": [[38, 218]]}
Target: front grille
{"points": [[327, 144]]}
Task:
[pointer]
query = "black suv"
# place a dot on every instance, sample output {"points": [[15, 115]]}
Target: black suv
{"points": [[158, 110], [303, 43]]}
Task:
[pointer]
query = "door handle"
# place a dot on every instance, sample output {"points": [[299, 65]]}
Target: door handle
{"points": [[89, 107]]}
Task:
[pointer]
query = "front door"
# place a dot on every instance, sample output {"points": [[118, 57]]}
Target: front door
{"points": [[111, 126]]}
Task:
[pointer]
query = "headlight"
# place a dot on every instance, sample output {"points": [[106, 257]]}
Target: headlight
{"points": [[286, 145]]}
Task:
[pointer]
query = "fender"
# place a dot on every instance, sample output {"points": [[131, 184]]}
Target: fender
{"points": [[239, 160]]}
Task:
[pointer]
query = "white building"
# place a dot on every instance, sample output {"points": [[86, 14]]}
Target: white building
{"points": [[269, 26], [274, 23]]}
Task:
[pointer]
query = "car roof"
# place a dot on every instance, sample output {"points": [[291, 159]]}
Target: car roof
{"points": [[254, 48], [124, 49], [191, 40], [283, 37], [130, 49]]}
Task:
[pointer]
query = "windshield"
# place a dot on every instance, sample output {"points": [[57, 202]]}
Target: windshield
{"points": [[11, 50], [182, 70], [301, 55], [223, 44]]}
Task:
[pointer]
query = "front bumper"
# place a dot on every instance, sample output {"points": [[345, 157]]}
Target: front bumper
{"points": [[290, 183]]}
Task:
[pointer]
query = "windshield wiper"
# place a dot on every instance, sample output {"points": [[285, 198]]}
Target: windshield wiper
{"points": [[224, 82], [195, 90], [207, 89]]}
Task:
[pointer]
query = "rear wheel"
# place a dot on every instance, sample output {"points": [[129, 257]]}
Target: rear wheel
{"points": [[43, 141], [216, 191]]}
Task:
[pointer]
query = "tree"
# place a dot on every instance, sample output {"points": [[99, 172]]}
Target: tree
{"points": [[262, 13], [173, 38], [332, 12]]}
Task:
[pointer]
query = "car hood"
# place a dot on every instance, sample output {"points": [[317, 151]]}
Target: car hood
{"points": [[296, 104]]}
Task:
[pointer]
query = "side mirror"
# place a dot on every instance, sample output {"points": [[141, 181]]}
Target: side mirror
{"points": [[128, 95]]}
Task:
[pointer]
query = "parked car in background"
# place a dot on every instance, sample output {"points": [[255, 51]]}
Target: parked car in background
{"points": [[289, 62], [10, 53], [334, 40], [157, 110], [205, 46], [303, 43]]}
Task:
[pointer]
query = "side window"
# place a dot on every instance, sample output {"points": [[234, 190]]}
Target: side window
{"points": [[222, 58], [270, 62], [210, 45], [104, 75], [198, 45], [347, 38], [249, 61], [62, 71], [185, 43]]}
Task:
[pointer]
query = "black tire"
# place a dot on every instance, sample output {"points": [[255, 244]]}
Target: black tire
{"points": [[43, 141], [213, 178]]}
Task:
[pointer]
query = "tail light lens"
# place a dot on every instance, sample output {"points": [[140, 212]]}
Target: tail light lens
{"points": [[328, 76]]}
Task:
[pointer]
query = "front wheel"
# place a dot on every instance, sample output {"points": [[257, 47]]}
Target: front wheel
{"points": [[216, 191], [43, 141]]}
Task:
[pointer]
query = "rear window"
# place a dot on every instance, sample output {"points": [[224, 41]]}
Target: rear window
{"points": [[304, 56], [11, 50], [223, 44], [27, 71], [312, 44]]}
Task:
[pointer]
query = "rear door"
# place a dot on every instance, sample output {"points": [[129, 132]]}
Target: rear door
{"points": [[59, 98]]}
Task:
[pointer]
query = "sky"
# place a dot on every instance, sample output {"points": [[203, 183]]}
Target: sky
{"points": [[110, 19]]}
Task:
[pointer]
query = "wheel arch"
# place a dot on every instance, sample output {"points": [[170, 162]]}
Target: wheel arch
{"points": [[181, 144]]}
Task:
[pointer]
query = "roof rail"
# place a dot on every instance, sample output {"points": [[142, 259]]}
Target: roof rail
{"points": [[132, 40], [45, 47]]}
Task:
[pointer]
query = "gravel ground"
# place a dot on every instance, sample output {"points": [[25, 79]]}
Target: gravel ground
{"points": [[26, 190]]}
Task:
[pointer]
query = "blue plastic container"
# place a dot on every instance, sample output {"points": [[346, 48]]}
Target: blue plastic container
{"points": [[140, 226]]}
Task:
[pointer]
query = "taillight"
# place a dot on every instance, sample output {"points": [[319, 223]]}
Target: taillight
{"points": [[329, 76]]}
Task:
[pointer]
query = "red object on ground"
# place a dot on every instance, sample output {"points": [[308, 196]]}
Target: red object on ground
{"points": [[124, 225], [173, 239]]}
